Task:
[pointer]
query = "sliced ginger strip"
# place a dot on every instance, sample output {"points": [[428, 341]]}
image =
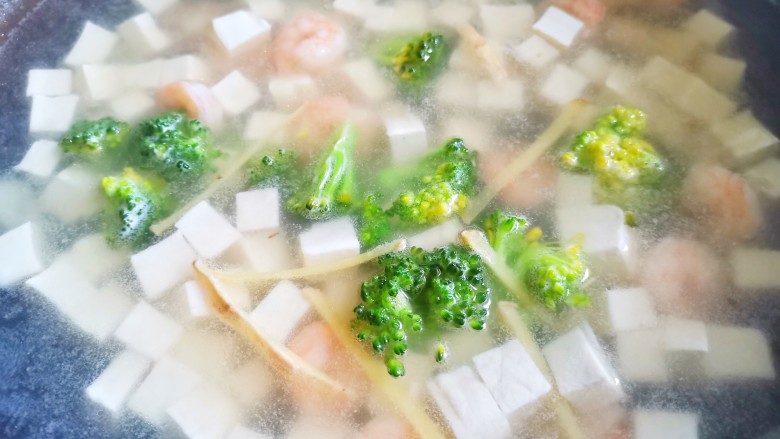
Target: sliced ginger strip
{"points": [[492, 63]]}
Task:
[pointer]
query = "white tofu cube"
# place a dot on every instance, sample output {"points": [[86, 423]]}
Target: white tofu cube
{"points": [[206, 412], [642, 356], [507, 95], [280, 311], [241, 432], [722, 72], [145, 75], [17, 209], [407, 135], [477, 133], [440, 235], [143, 35], [467, 405], [744, 139], [506, 22], [631, 308], [366, 78], [132, 107], [513, 379], [41, 159], [755, 269], [452, 14], [685, 335], [148, 331], [164, 265], [656, 424], [156, 6], [738, 353], [404, 16], [582, 370], [20, 252], [197, 304], [236, 93], [291, 91], [49, 82], [705, 103], [73, 194], [93, 45], [209, 353], [52, 114], [765, 178], [665, 78], [168, 382], [207, 231], [101, 313], [100, 81], [186, 68], [563, 85], [535, 52], [558, 26], [574, 190], [456, 89], [261, 252], [115, 383], [263, 125], [272, 10], [708, 28], [329, 241], [238, 28], [252, 383], [594, 64], [353, 8]]}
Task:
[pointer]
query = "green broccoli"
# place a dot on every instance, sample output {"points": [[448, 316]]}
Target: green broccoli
{"points": [[419, 291], [331, 188], [415, 60], [552, 274], [133, 203], [95, 139], [374, 225], [276, 169]]}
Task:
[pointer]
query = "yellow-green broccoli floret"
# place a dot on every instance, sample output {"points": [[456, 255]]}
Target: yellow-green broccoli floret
{"points": [[133, 203], [414, 60], [95, 138]]}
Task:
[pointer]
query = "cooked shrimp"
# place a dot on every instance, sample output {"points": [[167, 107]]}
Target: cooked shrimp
{"points": [[530, 189], [194, 98], [383, 427], [315, 121], [309, 43], [722, 201], [684, 276], [589, 11]]}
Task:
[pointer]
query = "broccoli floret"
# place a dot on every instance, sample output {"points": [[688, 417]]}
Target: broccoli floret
{"points": [[276, 169], [552, 274], [331, 189], [133, 203], [94, 138], [419, 291], [374, 223], [415, 60], [178, 148]]}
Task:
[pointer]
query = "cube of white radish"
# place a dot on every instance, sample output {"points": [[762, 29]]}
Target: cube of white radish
{"points": [[664, 78], [73, 194], [290, 91], [367, 79], [582, 369], [63, 285], [185, 68], [744, 138], [17, 209], [238, 28], [513, 378], [168, 382], [49, 82], [252, 383], [535, 52], [456, 89], [737, 353], [241, 432], [164, 265], [132, 106], [507, 95], [272, 10], [206, 412], [642, 356], [558, 26], [708, 27], [656, 424], [684, 335], [261, 252], [280, 311], [21, 254], [451, 13], [101, 313], [208, 353], [143, 35], [207, 231], [407, 135], [722, 72], [262, 125], [703, 102], [41, 159], [506, 22], [93, 45], [100, 81], [236, 93], [156, 6], [94, 257], [765, 178], [148, 331], [631, 308], [52, 114], [574, 190], [467, 405], [353, 8], [197, 303], [115, 383], [563, 85], [329, 241], [594, 64], [438, 236], [145, 75]]}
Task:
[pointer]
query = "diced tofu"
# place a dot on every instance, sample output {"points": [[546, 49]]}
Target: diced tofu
{"points": [[582, 370], [353, 8], [535, 52], [664, 78], [685, 335], [101, 313], [17, 209], [148, 331], [507, 95], [49, 82], [132, 107], [631, 308], [206, 412], [262, 252], [252, 383], [367, 79], [258, 210], [241, 432], [738, 353], [143, 35], [655, 424], [262, 125], [563, 85], [236, 93], [156, 6], [456, 89], [438, 236], [506, 22], [407, 135], [164, 265], [410, 16], [744, 139], [765, 178], [21, 254], [100, 81], [641, 356], [329, 241], [722, 72], [451, 13], [594, 64], [574, 190], [290, 91], [115, 383], [558, 26], [703, 102], [477, 133], [272, 10], [67, 289], [189, 68], [168, 382], [513, 379], [708, 28], [280, 311], [197, 303], [239, 28], [93, 45], [52, 114], [41, 159], [73, 194], [207, 231], [147, 75], [209, 353]]}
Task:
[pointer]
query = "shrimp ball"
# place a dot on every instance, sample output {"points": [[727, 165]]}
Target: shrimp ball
{"points": [[194, 98], [309, 43]]}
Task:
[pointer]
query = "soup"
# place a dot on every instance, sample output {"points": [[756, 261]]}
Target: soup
{"points": [[407, 219]]}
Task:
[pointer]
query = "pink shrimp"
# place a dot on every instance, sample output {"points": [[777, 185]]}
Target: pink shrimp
{"points": [[722, 201], [194, 98], [589, 11], [309, 43], [530, 189]]}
